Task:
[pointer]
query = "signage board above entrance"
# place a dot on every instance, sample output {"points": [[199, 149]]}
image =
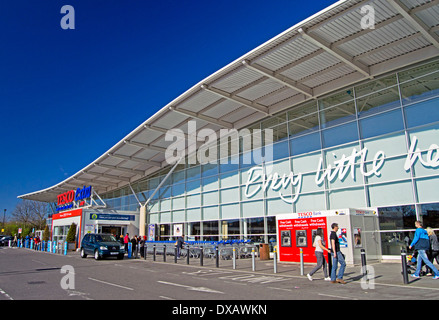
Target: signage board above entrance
{"points": [[67, 199]]}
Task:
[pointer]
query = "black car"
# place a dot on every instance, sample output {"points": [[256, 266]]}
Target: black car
{"points": [[101, 245], [4, 240]]}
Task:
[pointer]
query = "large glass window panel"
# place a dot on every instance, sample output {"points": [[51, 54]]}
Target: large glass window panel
{"points": [[193, 186], [153, 206], [277, 205], [193, 201], [254, 191], [339, 135], [255, 226], [428, 189], [422, 113], [397, 217], [347, 198], [391, 145], [210, 183], [303, 119], [178, 176], [178, 216], [274, 121], [229, 179], [392, 169], [210, 198], [229, 195], [382, 123], [193, 173], [306, 163], [391, 194], [311, 202], [153, 218], [193, 214], [424, 142], [178, 203], [209, 169], [277, 151], [178, 189], [430, 215], [165, 205], [165, 217], [280, 167], [252, 208], [230, 228], [421, 88], [229, 211], [210, 230], [305, 144], [337, 114], [211, 213]]}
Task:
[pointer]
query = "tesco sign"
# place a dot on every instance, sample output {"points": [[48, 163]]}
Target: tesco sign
{"points": [[66, 199]]}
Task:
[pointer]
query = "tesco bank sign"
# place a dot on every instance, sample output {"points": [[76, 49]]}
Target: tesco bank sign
{"points": [[67, 199]]}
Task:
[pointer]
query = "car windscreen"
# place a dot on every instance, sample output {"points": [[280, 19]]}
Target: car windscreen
{"points": [[105, 238]]}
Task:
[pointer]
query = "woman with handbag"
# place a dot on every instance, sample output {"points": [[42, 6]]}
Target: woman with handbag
{"points": [[319, 244]]}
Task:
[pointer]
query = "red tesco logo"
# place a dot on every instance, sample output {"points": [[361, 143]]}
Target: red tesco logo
{"points": [[66, 197]]}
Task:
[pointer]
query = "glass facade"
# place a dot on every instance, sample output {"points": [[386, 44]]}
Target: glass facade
{"points": [[374, 144]]}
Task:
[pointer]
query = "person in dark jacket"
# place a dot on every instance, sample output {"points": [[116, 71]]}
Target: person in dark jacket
{"points": [[421, 242]]}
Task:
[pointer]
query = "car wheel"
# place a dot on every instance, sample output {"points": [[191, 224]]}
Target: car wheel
{"points": [[97, 256], [83, 254]]}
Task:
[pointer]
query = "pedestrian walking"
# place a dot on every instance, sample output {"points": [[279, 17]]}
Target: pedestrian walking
{"points": [[434, 248], [337, 257], [179, 243], [126, 239], [134, 246], [319, 244], [421, 243]]}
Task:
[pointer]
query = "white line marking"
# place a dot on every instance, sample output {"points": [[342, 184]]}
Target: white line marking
{"points": [[5, 294], [166, 298], [339, 297], [111, 284], [201, 289]]}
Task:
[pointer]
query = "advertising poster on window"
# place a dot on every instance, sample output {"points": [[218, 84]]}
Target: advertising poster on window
{"points": [[178, 230], [342, 237], [151, 232], [357, 238]]}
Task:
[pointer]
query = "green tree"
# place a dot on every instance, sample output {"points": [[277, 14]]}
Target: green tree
{"points": [[71, 235], [46, 233]]}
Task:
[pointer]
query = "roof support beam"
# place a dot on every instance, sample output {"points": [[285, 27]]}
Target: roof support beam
{"points": [[94, 182], [252, 105], [339, 54], [135, 159], [415, 22], [279, 78], [220, 123], [134, 171], [145, 146], [109, 176]]}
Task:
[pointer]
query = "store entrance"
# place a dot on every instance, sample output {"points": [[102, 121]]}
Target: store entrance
{"points": [[114, 230]]}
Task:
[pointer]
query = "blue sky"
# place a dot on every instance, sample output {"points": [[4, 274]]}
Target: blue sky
{"points": [[67, 96]]}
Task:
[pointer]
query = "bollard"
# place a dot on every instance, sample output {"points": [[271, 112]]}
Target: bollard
{"points": [[130, 250], [164, 253], [65, 248], [145, 251], [154, 251], [275, 259], [301, 262], [175, 254], [234, 258], [405, 276], [253, 259], [363, 263], [49, 246], [188, 256], [217, 256], [201, 256]]}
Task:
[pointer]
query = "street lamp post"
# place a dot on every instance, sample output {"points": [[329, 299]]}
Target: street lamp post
{"points": [[4, 215]]}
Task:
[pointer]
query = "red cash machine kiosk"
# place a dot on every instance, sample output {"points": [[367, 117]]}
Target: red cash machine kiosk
{"points": [[358, 229]]}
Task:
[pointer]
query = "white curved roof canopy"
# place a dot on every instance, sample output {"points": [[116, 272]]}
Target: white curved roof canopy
{"points": [[325, 52]]}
